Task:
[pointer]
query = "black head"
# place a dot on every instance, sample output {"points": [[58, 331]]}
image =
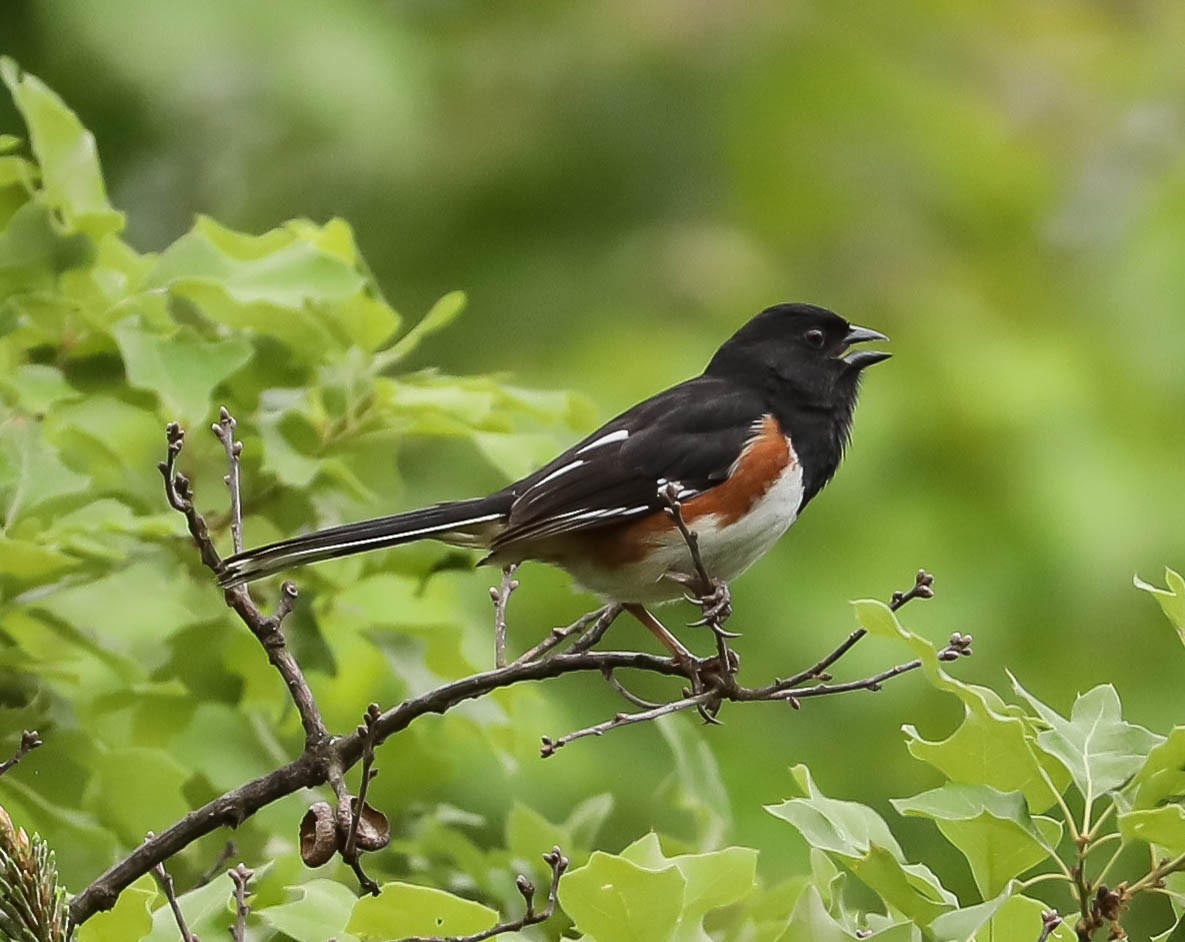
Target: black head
{"points": [[799, 350]]}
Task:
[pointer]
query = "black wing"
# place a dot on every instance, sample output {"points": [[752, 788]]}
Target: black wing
{"points": [[689, 434]]}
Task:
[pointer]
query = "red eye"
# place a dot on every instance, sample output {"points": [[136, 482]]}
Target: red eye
{"points": [[815, 338]]}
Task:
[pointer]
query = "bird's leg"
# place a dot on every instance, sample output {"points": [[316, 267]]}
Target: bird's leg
{"points": [[694, 666], [659, 630]]}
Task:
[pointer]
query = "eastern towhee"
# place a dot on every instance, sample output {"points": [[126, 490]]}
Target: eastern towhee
{"points": [[746, 445]]}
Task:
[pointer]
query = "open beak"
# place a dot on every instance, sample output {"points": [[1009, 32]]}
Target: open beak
{"points": [[859, 359]]}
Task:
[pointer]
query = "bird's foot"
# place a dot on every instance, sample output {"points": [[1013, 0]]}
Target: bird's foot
{"points": [[712, 675], [715, 607]]}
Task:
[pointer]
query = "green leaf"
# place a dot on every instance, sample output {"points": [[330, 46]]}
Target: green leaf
{"points": [[1163, 827], [715, 879], [1162, 776], [138, 790], [586, 819], [1171, 599], [1171, 934], [528, 833], [1018, 920], [992, 747], [442, 313], [859, 838], [65, 150], [36, 387], [30, 562], [695, 782], [299, 284], [611, 898], [182, 369], [31, 470], [129, 920], [402, 909], [992, 829], [961, 925], [875, 617], [207, 912], [319, 911], [113, 606], [811, 922], [1099, 749]]}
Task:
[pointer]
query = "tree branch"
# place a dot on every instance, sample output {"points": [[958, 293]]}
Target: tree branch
{"points": [[30, 740], [240, 876], [326, 759], [266, 629]]}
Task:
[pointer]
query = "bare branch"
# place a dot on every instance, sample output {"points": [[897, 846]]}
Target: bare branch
{"points": [[326, 759], [596, 631], [558, 864], [500, 597], [165, 880], [229, 849], [550, 746], [30, 740], [266, 629], [240, 875], [224, 428], [312, 768], [629, 695], [599, 620], [368, 730], [923, 588]]}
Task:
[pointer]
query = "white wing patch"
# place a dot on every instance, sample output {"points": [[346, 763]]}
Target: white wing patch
{"points": [[555, 474], [619, 436]]}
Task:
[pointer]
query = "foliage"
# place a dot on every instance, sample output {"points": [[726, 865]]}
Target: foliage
{"points": [[32, 905], [150, 700]]}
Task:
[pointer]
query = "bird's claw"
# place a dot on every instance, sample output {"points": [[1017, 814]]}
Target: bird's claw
{"points": [[715, 606], [711, 674]]}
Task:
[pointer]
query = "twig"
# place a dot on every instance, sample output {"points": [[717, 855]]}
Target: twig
{"points": [[326, 758], [266, 629], [596, 631], [229, 849], [632, 697], [712, 594], [558, 863], [368, 730], [30, 740], [312, 768], [923, 588], [224, 428], [557, 635], [500, 597], [165, 880], [709, 698], [550, 746], [240, 876]]}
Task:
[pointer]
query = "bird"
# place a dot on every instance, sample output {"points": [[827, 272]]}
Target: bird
{"points": [[742, 448]]}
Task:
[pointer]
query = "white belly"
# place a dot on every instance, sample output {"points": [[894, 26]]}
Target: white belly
{"points": [[727, 550]]}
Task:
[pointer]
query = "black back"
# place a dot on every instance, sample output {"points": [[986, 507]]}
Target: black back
{"points": [[787, 361]]}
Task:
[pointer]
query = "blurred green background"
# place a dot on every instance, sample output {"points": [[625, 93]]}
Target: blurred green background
{"points": [[618, 185]]}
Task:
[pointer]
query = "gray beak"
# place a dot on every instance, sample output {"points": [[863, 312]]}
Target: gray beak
{"points": [[859, 359]]}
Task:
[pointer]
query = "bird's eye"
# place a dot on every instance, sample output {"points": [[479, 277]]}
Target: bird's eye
{"points": [[815, 338]]}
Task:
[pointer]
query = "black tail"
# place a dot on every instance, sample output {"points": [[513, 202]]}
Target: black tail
{"points": [[459, 521]]}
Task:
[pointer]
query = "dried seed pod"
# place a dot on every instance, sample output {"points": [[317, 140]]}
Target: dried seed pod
{"points": [[374, 830], [318, 835]]}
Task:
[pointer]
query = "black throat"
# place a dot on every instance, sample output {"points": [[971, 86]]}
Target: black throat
{"points": [[818, 433]]}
